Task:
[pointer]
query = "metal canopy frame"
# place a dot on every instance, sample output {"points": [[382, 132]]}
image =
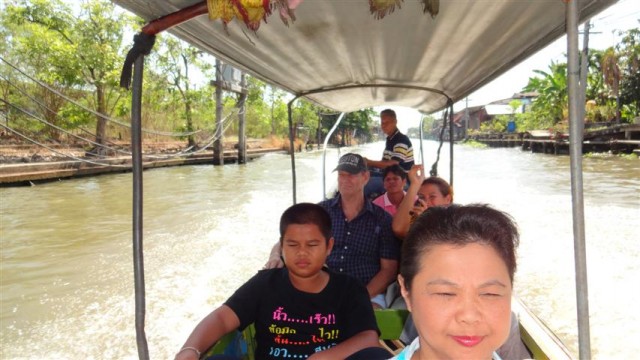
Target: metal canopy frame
{"points": [[165, 19]]}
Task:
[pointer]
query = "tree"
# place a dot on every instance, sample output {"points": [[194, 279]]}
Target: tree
{"points": [[277, 109], [305, 117], [175, 60], [356, 124], [629, 49], [69, 51], [257, 114], [552, 89], [514, 104], [611, 75]]}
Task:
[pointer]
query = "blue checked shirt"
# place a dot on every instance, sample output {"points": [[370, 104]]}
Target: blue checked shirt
{"points": [[361, 242]]}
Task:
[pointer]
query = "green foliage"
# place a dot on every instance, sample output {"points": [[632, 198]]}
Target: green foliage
{"points": [[613, 81], [532, 120], [69, 53], [428, 124], [515, 105], [499, 124], [604, 155], [74, 117], [552, 91], [356, 124], [631, 156], [629, 49], [474, 144]]}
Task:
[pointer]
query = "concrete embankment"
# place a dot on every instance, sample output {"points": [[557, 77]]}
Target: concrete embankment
{"points": [[30, 173]]}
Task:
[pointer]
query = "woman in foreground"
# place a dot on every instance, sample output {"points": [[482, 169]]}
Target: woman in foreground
{"points": [[456, 276]]}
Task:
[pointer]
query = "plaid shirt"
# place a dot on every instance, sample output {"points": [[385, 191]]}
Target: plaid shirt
{"points": [[361, 242]]}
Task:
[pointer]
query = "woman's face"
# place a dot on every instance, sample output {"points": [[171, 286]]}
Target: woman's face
{"points": [[460, 301], [432, 196], [393, 183]]}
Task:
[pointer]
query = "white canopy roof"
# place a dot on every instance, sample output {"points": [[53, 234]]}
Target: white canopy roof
{"points": [[337, 43]]}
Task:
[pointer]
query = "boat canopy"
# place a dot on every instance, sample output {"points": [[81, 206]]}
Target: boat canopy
{"points": [[344, 45], [351, 54]]}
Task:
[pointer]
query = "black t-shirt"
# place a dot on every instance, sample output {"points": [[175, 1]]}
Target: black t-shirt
{"points": [[294, 324], [398, 147]]}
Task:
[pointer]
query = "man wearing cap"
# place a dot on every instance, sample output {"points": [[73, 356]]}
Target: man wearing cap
{"points": [[397, 150], [365, 247]]}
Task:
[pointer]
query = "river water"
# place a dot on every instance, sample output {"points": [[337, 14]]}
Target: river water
{"points": [[66, 257]]}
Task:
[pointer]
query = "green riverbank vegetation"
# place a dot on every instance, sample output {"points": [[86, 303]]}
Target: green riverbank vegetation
{"points": [[59, 79], [612, 91]]}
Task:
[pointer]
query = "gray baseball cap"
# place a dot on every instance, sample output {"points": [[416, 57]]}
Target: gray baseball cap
{"points": [[351, 163]]}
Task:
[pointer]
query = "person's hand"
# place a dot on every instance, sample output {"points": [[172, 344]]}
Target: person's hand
{"points": [[418, 208], [187, 353], [416, 174], [186, 356]]}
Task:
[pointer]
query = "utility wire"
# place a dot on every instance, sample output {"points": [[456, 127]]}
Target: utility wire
{"points": [[105, 117], [60, 153], [45, 107], [181, 153], [31, 115], [178, 154]]}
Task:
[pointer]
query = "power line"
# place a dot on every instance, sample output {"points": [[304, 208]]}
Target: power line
{"points": [[58, 152], [50, 124], [105, 117], [29, 114]]}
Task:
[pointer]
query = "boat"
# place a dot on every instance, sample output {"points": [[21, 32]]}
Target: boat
{"points": [[348, 55]]}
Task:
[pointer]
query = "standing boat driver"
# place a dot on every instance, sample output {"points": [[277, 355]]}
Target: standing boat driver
{"points": [[397, 150]]}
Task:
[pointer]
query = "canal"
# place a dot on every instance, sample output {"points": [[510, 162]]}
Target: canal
{"points": [[66, 257]]}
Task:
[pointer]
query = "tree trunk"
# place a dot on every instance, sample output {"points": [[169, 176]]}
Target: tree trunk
{"points": [[187, 109], [101, 126], [187, 103]]}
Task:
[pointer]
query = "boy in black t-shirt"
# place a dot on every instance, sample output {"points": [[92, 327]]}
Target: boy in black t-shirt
{"points": [[302, 310]]}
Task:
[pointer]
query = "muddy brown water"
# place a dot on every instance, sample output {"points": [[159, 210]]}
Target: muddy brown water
{"points": [[66, 257]]}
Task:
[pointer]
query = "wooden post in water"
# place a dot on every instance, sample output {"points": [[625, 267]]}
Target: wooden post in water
{"points": [[218, 151], [242, 143]]}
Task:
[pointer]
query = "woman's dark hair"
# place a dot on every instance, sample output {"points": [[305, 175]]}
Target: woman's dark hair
{"points": [[443, 186], [396, 170], [459, 225], [303, 214]]}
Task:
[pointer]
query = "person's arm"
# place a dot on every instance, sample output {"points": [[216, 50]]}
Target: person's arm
{"points": [[275, 258], [214, 326], [402, 218], [381, 164], [361, 340], [388, 272]]}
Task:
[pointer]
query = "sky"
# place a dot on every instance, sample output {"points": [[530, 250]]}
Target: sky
{"points": [[623, 15]]}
